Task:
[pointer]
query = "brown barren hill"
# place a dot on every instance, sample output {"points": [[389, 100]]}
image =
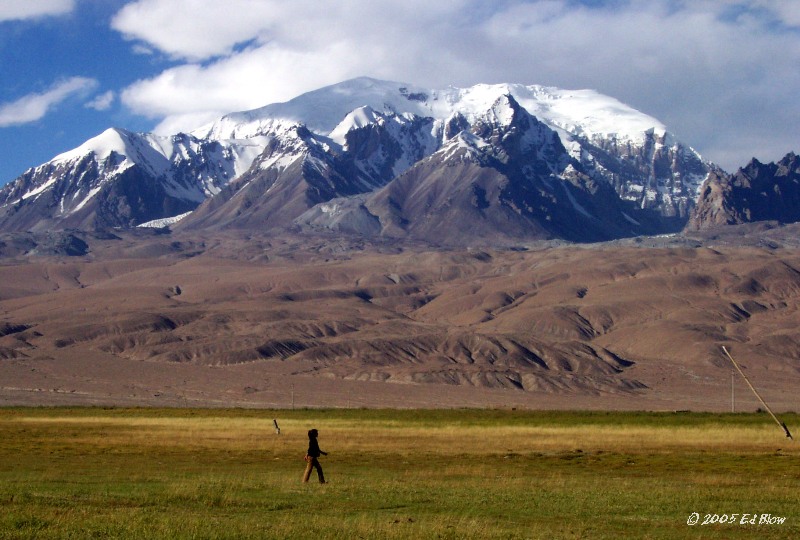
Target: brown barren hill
{"points": [[257, 321]]}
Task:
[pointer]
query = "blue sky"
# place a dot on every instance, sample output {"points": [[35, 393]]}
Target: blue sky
{"points": [[57, 71], [722, 75]]}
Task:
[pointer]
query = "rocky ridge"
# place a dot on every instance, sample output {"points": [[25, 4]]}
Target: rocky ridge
{"points": [[756, 192]]}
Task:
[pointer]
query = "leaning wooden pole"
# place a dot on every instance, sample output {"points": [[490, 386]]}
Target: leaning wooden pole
{"points": [[764, 403]]}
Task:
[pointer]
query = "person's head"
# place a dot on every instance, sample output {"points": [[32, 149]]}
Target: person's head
{"points": [[312, 433]]}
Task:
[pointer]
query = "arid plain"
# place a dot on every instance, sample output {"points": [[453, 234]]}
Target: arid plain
{"points": [[232, 320]]}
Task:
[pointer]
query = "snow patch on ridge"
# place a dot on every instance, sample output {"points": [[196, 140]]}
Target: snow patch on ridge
{"points": [[163, 222], [86, 199]]}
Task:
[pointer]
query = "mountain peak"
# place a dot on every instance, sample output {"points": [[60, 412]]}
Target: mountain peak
{"points": [[505, 109], [357, 118], [756, 192], [111, 140], [790, 160]]}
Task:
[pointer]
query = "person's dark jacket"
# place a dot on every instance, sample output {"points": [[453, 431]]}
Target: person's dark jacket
{"points": [[313, 448]]}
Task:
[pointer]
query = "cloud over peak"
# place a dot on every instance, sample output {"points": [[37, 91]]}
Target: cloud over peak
{"points": [[35, 106], [192, 30], [31, 9]]}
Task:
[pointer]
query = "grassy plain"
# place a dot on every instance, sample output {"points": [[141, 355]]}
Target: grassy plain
{"points": [[183, 473]]}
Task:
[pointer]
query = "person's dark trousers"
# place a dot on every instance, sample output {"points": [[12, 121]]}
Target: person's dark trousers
{"points": [[314, 463]]}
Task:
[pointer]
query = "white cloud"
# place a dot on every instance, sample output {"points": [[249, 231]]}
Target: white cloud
{"points": [[786, 11], [248, 80], [194, 29], [200, 29], [30, 9], [102, 102], [723, 76], [33, 107]]}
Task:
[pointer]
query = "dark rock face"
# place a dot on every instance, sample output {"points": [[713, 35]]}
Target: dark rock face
{"points": [[81, 200], [44, 244], [757, 192], [660, 174]]}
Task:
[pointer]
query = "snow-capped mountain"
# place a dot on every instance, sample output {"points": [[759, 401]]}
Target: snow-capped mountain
{"points": [[339, 158], [122, 179]]}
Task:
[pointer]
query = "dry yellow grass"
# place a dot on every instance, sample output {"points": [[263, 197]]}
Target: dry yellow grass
{"points": [[398, 436]]}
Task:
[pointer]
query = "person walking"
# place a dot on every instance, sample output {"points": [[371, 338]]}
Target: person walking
{"points": [[312, 455]]}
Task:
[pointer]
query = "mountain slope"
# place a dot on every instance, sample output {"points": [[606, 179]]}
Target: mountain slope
{"points": [[757, 192]]}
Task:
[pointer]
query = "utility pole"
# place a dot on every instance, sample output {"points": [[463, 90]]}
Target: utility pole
{"points": [[764, 403]]}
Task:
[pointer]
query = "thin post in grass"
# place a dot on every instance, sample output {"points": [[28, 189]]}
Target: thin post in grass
{"points": [[764, 403]]}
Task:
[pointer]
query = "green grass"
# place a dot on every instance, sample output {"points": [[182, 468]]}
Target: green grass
{"points": [[142, 473]]}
